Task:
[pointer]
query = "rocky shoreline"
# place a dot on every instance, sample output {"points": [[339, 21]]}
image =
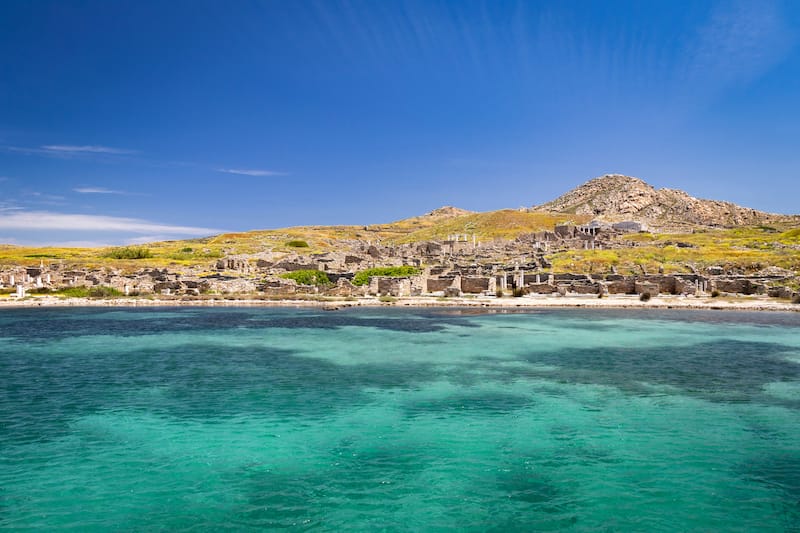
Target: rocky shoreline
{"points": [[525, 302]]}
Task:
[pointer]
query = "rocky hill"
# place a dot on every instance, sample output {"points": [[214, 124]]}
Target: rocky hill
{"points": [[448, 211], [615, 197]]}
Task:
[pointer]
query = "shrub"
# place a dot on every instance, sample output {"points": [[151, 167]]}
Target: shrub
{"points": [[362, 278], [499, 293], [73, 292], [644, 297], [796, 299], [297, 244], [387, 299], [89, 292], [188, 254], [308, 277], [129, 252], [519, 291], [41, 290], [103, 292], [715, 293]]}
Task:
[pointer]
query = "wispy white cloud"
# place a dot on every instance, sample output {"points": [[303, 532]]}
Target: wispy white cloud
{"points": [[251, 172], [99, 190], [60, 244], [68, 150], [45, 220], [86, 149]]}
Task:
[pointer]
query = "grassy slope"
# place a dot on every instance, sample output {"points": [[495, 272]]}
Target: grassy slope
{"points": [[749, 248]]}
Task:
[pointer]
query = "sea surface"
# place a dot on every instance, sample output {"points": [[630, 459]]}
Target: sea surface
{"points": [[388, 419]]}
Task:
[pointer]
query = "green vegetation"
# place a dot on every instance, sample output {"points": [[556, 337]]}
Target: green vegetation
{"points": [[130, 252], [644, 297], [190, 255], [308, 277], [297, 244], [87, 292], [362, 278], [747, 248], [387, 299], [796, 299], [104, 292], [73, 292], [715, 293]]}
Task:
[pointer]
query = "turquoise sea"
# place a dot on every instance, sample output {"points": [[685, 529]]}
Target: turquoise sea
{"points": [[389, 419]]}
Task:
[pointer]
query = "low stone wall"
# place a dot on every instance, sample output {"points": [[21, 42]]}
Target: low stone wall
{"points": [[474, 285], [584, 288], [622, 286], [438, 284], [644, 287], [740, 286], [666, 284], [387, 286], [541, 288]]}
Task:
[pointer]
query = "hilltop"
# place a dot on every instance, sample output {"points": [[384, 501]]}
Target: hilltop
{"points": [[616, 197]]}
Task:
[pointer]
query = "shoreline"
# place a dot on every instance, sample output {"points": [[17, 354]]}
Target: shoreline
{"points": [[524, 302]]}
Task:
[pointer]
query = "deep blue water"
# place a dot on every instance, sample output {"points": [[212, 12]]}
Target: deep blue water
{"points": [[585, 420]]}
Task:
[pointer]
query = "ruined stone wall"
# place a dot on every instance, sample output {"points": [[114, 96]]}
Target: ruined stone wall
{"points": [[621, 286], [584, 288], [438, 284], [646, 287], [474, 284], [541, 288], [741, 286]]}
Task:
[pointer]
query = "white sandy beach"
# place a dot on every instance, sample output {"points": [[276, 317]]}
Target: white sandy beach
{"points": [[743, 303]]}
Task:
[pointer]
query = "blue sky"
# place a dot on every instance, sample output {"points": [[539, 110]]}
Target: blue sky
{"points": [[122, 122]]}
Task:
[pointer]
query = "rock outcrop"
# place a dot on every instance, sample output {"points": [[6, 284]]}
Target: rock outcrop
{"points": [[615, 197]]}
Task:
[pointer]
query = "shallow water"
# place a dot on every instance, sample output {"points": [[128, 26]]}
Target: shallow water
{"points": [[209, 419]]}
